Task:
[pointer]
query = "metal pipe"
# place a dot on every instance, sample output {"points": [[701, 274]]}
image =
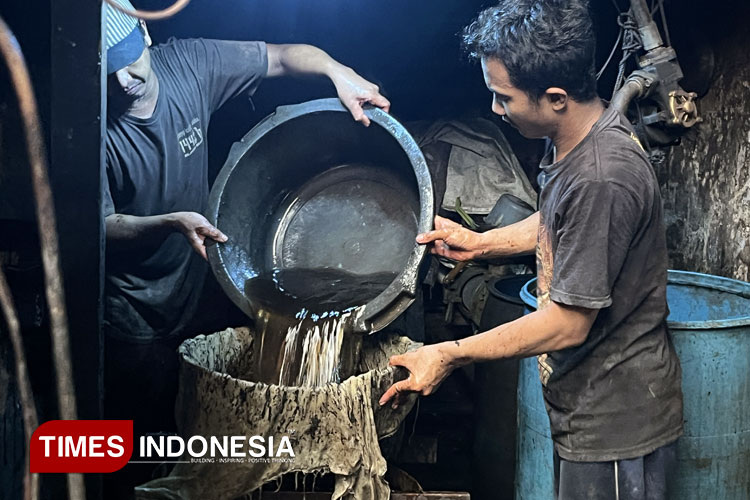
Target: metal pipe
{"points": [[650, 36], [45, 215], [26, 395], [633, 88]]}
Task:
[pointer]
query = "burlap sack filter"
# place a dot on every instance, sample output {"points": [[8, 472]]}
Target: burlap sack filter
{"points": [[333, 429]]}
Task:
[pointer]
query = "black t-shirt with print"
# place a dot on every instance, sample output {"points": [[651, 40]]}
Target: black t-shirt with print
{"points": [[159, 165], [602, 245]]}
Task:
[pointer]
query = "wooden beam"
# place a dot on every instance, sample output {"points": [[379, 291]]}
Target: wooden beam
{"points": [[77, 111]]}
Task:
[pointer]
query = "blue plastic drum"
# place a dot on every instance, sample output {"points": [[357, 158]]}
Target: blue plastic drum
{"points": [[710, 324]]}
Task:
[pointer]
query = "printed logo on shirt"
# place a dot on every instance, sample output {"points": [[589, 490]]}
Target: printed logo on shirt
{"points": [[190, 138], [635, 138]]}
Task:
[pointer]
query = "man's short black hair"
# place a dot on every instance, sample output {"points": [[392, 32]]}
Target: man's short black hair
{"points": [[542, 43]]}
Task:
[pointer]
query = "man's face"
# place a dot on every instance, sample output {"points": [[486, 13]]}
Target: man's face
{"points": [[532, 119], [132, 82]]}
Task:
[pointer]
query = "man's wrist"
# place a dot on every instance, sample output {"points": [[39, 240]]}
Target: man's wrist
{"points": [[484, 245], [335, 70], [452, 354], [170, 221]]}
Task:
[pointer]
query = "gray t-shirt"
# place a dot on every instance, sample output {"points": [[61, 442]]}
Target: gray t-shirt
{"points": [[602, 245], [159, 165]]}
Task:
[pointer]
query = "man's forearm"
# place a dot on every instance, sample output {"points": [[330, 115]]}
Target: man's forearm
{"points": [[553, 328], [299, 59], [353, 90], [126, 230], [516, 239]]}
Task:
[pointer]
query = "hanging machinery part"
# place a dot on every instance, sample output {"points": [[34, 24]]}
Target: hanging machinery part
{"points": [[665, 109]]}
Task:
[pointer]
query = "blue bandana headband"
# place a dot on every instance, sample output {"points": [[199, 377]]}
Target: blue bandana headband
{"points": [[124, 39]]}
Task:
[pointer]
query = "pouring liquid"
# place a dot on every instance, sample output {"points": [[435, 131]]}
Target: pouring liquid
{"points": [[303, 322]]}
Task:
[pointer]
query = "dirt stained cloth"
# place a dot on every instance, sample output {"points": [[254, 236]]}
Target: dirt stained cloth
{"points": [[333, 429], [471, 159]]}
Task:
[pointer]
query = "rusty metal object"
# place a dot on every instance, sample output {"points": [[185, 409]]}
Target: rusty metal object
{"points": [[683, 108], [453, 274], [636, 86], [45, 215], [650, 36], [665, 111], [28, 408]]}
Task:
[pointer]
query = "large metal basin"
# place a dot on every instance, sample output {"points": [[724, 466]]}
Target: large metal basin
{"points": [[310, 188]]}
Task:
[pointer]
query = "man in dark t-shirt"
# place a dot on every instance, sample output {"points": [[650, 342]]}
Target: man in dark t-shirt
{"points": [[608, 369], [160, 102]]}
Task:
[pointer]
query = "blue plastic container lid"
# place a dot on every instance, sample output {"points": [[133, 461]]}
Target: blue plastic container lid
{"points": [[696, 301]]}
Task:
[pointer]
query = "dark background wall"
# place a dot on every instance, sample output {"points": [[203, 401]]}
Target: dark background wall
{"points": [[706, 181]]}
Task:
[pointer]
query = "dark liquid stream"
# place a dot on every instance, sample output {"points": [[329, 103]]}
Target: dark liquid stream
{"points": [[317, 298]]}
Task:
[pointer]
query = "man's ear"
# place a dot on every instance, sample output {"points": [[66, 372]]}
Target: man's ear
{"points": [[557, 97], [146, 36]]}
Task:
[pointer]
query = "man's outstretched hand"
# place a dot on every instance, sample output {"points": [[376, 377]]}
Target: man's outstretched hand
{"points": [[428, 366], [301, 59], [354, 92], [453, 241], [197, 230]]}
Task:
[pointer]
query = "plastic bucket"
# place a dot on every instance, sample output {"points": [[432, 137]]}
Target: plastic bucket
{"points": [[535, 476], [495, 385]]}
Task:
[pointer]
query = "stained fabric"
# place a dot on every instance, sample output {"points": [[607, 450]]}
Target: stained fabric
{"points": [[333, 429], [473, 160]]}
